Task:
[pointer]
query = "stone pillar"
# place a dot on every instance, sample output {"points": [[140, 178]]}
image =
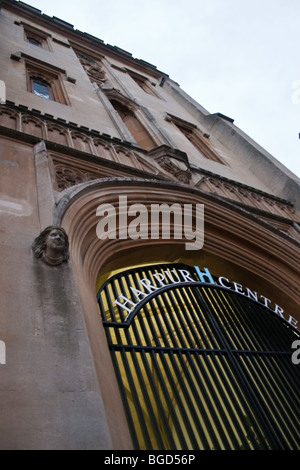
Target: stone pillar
{"points": [[45, 196]]}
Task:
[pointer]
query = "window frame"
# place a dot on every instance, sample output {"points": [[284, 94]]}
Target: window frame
{"points": [[41, 37], [195, 137], [43, 82], [52, 76], [128, 115], [35, 42], [143, 83]]}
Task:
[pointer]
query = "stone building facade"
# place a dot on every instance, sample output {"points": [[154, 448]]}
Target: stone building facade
{"points": [[84, 123]]}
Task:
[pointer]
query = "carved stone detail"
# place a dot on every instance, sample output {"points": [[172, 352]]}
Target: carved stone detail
{"points": [[246, 196], [52, 246], [161, 159], [66, 176], [94, 71], [169, 165]]}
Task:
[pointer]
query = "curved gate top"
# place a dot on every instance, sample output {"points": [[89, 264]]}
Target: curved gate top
{"points": [[198, 365]]}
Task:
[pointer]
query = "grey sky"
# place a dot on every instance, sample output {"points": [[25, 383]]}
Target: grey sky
{"points": [[237, 57]]}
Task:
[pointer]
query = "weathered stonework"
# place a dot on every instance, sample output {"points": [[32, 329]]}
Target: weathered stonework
{"points": [[135, 133]]}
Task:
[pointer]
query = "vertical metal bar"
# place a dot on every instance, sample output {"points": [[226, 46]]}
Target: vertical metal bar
{"points": [[127, 409], [141, 377], [187, 376], [167, 368], [224, 382], [165, 308], [110, 306]]}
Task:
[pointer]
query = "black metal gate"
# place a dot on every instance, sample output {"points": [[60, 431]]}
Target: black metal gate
{"points": [[200, 366]]}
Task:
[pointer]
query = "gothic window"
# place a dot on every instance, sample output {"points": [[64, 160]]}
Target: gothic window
{"points": [[142, 82], [45, 81], [196, 137], [137, 130]]}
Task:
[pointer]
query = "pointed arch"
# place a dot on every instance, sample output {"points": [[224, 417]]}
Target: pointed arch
{"points": [[128, 111]]}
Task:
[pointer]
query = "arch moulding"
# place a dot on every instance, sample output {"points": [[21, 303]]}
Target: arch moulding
{"points": [[230, 233]]}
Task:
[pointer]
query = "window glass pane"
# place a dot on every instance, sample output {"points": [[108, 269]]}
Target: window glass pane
{"points": [[81, 56], [41, 89], [34, 41]]}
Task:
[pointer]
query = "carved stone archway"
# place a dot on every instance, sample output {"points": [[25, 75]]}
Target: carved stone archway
{"points": [[233, 238]]}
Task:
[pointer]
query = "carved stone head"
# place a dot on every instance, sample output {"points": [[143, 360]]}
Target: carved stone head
{"points": [[52, 246]]}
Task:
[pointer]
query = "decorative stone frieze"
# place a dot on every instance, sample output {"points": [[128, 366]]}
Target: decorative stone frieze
{"points": [[67, 176], [163, 160], [247, 196]]}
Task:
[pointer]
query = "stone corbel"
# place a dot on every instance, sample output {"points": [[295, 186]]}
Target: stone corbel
{"points": [[52, 246], [174, 162]]}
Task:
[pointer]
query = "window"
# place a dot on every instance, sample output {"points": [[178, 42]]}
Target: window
{"points": [[196, 137], [45, 81], [41, 88], [134, 126], [36, 37], [142, 82], [85, 58], [34, 41]]}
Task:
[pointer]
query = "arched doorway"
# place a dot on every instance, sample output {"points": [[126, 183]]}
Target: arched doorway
{"points": [[233, 238]]}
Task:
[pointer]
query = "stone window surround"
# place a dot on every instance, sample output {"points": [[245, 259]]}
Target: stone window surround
{"points": [[196, 137], [41, 36], [108, 96], [143, 82], [51, 74]]}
